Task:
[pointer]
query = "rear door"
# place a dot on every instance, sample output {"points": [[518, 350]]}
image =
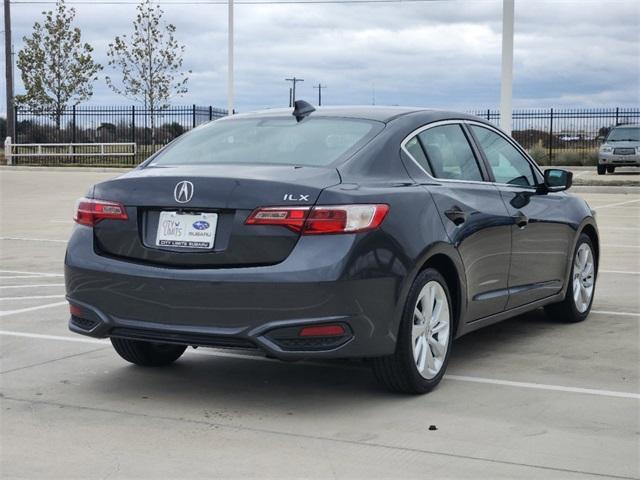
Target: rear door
{"points": [[540, 233], [472, 212]]}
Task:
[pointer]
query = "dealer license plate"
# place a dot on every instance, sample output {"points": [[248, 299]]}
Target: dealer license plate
{"points": [[182, 230]]}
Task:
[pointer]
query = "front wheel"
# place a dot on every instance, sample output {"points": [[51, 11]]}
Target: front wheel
{"points": [[582, 283], [611, 169], [147, 354], [424, 339]]}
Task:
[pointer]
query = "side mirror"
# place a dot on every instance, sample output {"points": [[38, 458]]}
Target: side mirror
{"points": [[557, 180]]}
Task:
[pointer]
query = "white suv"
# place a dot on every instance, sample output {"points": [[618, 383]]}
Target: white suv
{"points": [[620, 148]]}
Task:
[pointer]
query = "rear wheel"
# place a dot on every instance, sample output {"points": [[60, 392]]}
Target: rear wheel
{"points": [[424, 340], [147, 354], [611, 169], [602, 169], [577, 303]]}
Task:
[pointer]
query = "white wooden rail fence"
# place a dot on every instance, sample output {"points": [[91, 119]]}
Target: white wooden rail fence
{"points": [[13, 150]]}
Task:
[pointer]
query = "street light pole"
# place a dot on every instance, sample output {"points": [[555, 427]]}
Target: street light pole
{"points": [[506, 83], [8, 54], [230, 86]]}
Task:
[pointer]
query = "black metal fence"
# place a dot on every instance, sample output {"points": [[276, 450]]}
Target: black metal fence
{"points": [[149, 129], [564, 136], [552, 136]]}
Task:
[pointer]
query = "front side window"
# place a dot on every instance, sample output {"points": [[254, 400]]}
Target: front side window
{"points": [[508, 165], [312, 142], [450, 154]]}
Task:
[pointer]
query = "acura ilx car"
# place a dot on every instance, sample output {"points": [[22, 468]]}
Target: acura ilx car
{"points": [[374, 233]]}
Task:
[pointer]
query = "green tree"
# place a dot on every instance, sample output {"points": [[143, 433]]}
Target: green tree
{"points": [[57, 69], [149, 62]]}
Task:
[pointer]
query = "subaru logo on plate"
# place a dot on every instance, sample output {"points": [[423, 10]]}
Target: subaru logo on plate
{"points": [[183, 191], [201, 225]]}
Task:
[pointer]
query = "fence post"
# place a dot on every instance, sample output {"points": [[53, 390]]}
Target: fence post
{"points": [[210, 113], [551, 137], [7, 150], [193, 114], [15, 123], [617, 115], [488, 114], [133, 123], [73, 124]]}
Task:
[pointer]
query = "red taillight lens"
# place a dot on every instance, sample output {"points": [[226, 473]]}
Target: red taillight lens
{"points": [[89, 212], [322, 219], [322, 331], [292, 218]]}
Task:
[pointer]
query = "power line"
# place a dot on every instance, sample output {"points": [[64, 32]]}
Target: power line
{"points": [[219, 2]]}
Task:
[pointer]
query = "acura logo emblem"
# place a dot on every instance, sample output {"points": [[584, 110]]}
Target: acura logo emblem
{"points": [[183, 191]]}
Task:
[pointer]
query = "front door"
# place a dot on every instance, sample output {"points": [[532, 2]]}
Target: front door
{"points": [[540, 233]]}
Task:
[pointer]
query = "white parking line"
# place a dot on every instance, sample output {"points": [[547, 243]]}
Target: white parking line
{"points": [[608, 312], [462, 378], [32, 274], [24, 239], [542, 386], [4, 313], [616, 204], [34, 297], [40, 336], [34, 286], [613, 245], [621, 272]]}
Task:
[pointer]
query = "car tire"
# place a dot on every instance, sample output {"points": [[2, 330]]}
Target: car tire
{"points": [[602, 169], [147, 354], [574, 308], [401, 372], [611, 169]]}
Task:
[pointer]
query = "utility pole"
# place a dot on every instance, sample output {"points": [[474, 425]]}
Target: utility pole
{"points": [[8, 54], [506, 83], [230, 86], [290, 97], [320, 87], [293, 80]]}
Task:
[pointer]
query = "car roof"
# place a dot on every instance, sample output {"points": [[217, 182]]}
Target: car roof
{"points": [[629, 125], [367, 112]]}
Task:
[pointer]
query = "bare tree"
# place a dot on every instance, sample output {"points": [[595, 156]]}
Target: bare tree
{"points": [[57, 70], [149, 62]]}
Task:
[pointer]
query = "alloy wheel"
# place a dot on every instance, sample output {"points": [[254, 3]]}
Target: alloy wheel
{"points": [[431, 327], [583, 277]]}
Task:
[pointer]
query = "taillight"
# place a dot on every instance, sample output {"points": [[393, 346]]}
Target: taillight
{"points": [[89, 212], [322, 219]]}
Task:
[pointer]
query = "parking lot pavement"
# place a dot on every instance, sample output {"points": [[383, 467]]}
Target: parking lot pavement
{"points": [[527, 398]]}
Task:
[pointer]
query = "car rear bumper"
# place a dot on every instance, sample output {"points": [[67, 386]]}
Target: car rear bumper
{"points": [[323, 281]]}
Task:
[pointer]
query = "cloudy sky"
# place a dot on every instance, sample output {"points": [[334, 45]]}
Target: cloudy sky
{"points": [[444, 54]]}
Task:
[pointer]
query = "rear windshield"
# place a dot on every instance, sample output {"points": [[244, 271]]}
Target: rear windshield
{"points": [[313, 141], [628, 134]]}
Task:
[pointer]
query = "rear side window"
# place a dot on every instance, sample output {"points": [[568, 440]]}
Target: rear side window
{"points": [[450, 154], [313, 141], [508, 165], [415, 149]]}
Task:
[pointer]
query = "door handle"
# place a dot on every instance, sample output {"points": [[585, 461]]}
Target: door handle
{"points": [[521, 219], [456, 215]]}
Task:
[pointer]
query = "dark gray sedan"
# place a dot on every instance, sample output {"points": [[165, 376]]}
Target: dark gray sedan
{"points": [[377, 233]]}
